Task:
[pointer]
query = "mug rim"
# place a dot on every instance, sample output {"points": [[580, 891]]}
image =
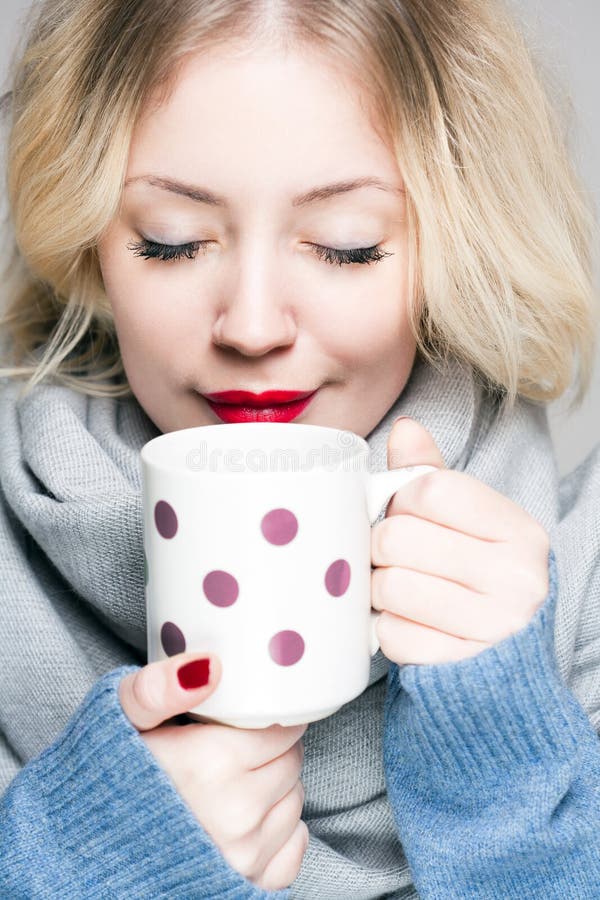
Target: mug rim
{"points": [[151, 450]]}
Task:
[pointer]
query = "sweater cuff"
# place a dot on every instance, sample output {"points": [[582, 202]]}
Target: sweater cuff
{"points": [[115, 809], [478, 719]]}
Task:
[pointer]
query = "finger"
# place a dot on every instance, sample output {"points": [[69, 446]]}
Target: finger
{"points": [[406, 642], [285, 865], [410, 444], [156, 692], [280, 822], [251, 748], [412, 543], [269, 783], [249, 795], [463, 503], [443, 605]]}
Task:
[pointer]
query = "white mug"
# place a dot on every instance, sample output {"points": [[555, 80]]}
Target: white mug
{"points": [[257, 545]]}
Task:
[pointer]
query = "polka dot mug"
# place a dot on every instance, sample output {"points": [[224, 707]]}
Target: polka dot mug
{"points": [[257, 547]]}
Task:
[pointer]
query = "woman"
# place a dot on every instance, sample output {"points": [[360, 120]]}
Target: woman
{"points": [[371, 201]]}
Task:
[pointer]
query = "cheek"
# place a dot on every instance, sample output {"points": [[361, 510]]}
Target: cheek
{"points": [[149, 309], [150, 321], [368, 320]]}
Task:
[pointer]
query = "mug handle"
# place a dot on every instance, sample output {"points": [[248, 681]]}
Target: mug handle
{"points": [[380, 488]]}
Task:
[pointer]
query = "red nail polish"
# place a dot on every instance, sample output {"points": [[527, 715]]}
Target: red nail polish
{"points": [[194, 674]]}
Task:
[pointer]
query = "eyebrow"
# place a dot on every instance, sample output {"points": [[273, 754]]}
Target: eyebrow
{"points": [[202, 195]]}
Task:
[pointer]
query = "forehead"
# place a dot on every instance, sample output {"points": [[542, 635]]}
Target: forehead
{"points": [[251, 114]]}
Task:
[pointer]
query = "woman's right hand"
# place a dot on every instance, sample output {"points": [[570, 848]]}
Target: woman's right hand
{"points": [[243, 785]]}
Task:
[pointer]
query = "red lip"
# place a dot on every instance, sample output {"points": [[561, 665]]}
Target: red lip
{"points": [[267, 398], [270, 406]]}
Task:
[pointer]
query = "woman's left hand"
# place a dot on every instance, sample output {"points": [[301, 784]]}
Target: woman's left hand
{"points": [[458, 566]]}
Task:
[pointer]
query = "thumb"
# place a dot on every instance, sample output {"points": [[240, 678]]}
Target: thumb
{"points": [[168, 687], [410, 444]]}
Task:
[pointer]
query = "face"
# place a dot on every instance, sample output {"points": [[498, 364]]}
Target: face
{"points": [[221, 282]]}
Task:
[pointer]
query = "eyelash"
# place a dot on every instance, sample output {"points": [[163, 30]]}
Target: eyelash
{"points": [[361, 255]]}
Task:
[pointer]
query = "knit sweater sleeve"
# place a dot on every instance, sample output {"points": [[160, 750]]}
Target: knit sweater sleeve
{"points": [[493, 772], [95, 816]]}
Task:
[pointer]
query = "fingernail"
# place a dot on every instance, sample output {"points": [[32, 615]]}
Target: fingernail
{"points": [[194, 674], [399, 418]]}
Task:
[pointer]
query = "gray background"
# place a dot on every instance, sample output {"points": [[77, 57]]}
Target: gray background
{"points": [[565, 34]]}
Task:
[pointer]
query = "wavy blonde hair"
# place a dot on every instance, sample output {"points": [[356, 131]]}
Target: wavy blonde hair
{"points": [[500, 226]]}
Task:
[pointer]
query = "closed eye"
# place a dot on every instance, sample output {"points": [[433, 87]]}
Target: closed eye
{"points": [[361, 255], [151, 250]]}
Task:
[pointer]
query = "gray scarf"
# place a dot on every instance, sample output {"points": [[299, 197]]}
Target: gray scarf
{"points": [[72, 589]]}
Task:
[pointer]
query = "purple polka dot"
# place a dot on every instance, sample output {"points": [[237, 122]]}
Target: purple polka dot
{"points": [[165, 519], [286, 648], [279, 526], [337, 577], [172, 639], [220, 588]]}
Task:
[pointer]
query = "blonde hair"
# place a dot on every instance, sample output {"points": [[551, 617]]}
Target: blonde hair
{"points": [[500, 226]]}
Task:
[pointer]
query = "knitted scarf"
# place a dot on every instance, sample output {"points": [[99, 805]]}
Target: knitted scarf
{"points": [[72, 602]]}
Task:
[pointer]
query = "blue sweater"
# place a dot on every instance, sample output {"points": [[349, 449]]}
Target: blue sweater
{"points": [[491, 764]]}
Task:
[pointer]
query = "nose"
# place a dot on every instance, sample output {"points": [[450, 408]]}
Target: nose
{"points": [[255, 318]]}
